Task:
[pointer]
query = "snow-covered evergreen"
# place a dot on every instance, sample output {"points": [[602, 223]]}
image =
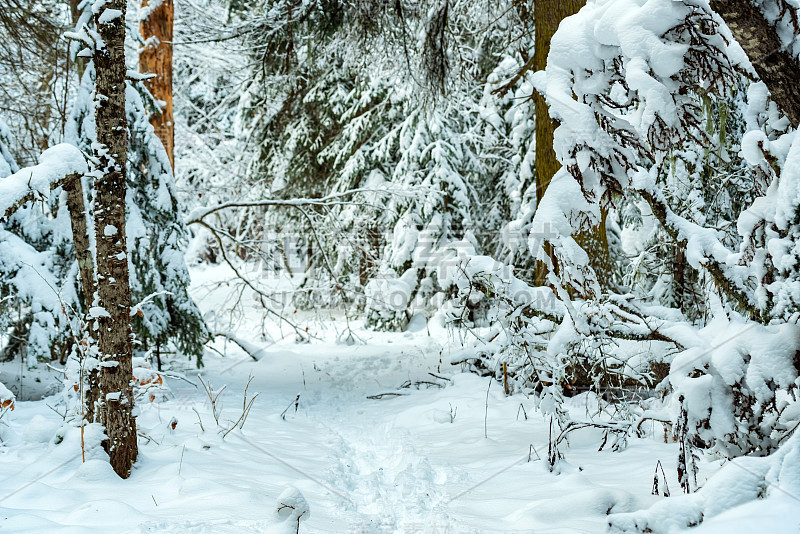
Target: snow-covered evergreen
{"points": [[156, 234]]}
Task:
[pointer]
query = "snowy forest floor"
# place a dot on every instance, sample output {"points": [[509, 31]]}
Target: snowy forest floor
{"points": [[416, 462]]}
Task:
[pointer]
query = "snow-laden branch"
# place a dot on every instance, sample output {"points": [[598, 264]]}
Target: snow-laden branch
{"points": [[615, 317], [705, 250], [57, 166], [252, 350]]}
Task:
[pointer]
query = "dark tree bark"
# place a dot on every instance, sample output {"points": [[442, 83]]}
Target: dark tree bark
{"points": [[775, 66], [114, 408], [156, 58], [547, 15]]}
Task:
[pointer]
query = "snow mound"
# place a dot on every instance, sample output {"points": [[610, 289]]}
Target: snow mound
{"points": [[739, 482], [290, 509]]}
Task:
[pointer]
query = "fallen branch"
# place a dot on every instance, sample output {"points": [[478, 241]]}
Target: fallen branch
{"points": [[408, 383], [249, 348], [382, 395]]}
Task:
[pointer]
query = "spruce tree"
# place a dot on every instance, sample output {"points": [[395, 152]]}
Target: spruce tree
{"points": [[37, 275], [156, 233]]}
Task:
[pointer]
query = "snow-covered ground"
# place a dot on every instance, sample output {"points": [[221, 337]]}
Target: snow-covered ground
{"points": [[452, 454]]}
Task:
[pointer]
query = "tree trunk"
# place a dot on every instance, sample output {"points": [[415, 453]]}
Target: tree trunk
{"points": [[114, 408], [75, 13], [594, 241], [156, 58], [80, 238], [775, 66], [547, 15]]}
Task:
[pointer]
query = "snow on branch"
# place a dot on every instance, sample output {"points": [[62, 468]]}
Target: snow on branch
{"points": [[623, 110], [57, 166], [252, 350], [704, 249]]}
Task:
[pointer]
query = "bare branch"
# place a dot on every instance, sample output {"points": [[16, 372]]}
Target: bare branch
{"points": [[197, 215]]}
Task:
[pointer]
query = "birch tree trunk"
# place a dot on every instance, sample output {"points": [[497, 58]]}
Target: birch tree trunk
{"points": [[115, 405], [156, 28]]}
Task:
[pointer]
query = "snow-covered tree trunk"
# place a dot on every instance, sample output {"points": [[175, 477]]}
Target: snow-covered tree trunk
{"points": [[156, 28], [112, 306], [548, 14], [772, 61], [75, 14]]}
